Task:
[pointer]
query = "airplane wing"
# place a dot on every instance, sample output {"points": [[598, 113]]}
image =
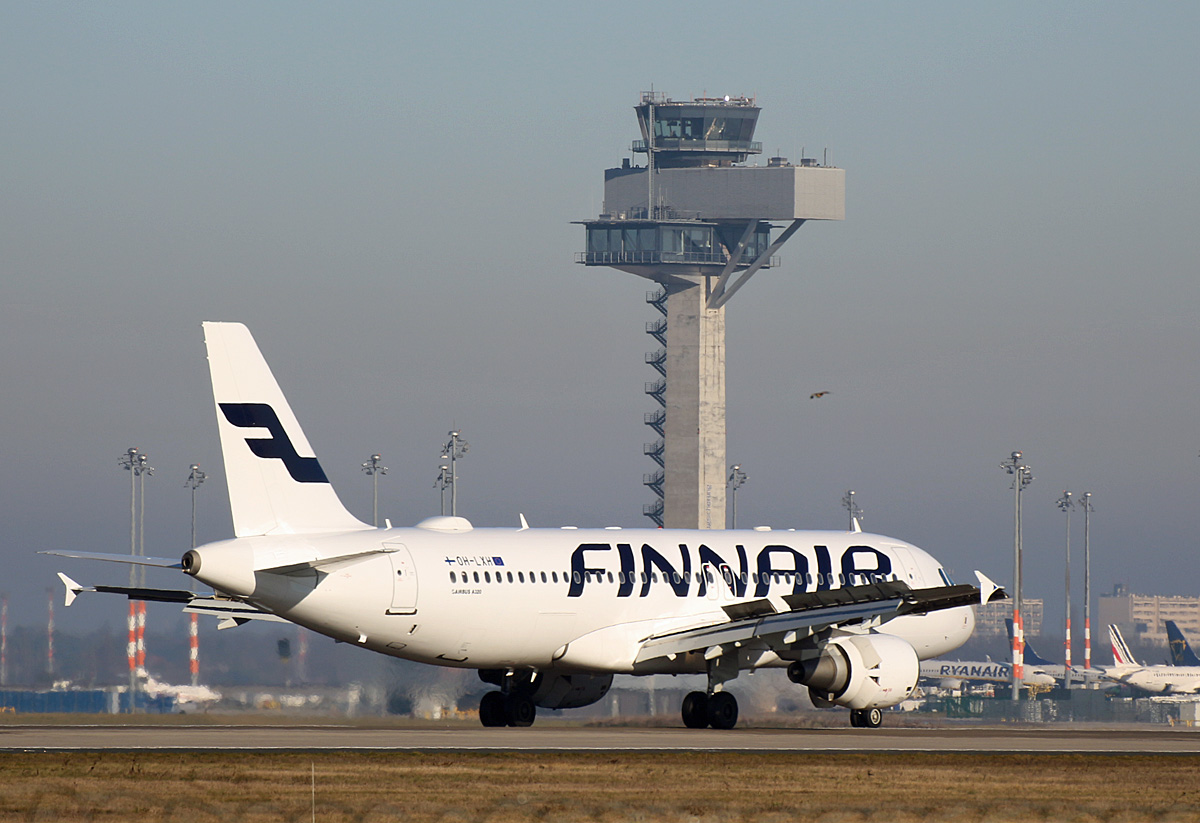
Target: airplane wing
{"points": [[810, 611]]}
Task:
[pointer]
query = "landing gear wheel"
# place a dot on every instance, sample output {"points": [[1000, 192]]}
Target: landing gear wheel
{"points": [[695, 710], [491, 710], [722, 710], [519, 710], [866, 718]]}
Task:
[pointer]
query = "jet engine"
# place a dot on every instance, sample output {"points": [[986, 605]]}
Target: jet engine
{"points": [[860, 672], [551, 691], [569, 691]]}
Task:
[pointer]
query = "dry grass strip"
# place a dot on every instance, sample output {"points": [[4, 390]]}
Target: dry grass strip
{"points": [[687, 787]]}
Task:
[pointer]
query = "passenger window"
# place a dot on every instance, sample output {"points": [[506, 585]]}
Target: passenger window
{"points": [[452, 580], [543, 577], [610, 577], [521, 577], [476, 577], [510, 577], [555, 576], [487, 577]]}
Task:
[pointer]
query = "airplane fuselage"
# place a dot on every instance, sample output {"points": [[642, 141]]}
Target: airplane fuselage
{"points": [[559, 599]]}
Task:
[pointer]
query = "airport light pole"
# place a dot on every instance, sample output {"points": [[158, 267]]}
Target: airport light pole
{"points": [[442, 483], [373, 468], [194, 479], [138, 465], [1085, 503], [1022, 477], [852, 508], [1065, 505], [737, 479], [144, 468], [453, 451], [129, 462]]}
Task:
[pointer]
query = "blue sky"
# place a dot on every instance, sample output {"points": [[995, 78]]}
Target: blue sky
{"points": [[384, 193]]}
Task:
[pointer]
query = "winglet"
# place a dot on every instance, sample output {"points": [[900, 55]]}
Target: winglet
{"points": [[73, 589], [524, 522], [857, 526], [988, 590]]}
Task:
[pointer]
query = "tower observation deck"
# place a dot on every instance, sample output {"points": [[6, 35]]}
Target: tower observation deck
{"points": [[697, 220]]}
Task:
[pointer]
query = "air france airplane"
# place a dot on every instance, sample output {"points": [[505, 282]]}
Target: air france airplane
{"points": [[1157, 679], [548, 616]]}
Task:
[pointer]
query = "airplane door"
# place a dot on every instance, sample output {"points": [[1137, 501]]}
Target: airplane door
{"points": [[907, 570], [404, 580]]}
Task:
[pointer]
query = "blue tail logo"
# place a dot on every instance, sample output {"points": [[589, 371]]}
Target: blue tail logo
{"points": [[278, 445]]}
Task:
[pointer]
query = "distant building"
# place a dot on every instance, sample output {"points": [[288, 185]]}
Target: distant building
{"points": [[1140, 616], [989, 618]]}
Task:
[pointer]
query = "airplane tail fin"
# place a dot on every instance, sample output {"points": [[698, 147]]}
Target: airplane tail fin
{"points": [[1031, 657], [276, 485], [1181, 650], [1121, 653]]}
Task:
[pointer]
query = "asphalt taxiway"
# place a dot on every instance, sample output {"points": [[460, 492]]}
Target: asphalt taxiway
{"points": [[1042, 740]]}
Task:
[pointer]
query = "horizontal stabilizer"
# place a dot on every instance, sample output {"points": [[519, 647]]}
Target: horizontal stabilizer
{"points": [[160, 562], [230, 612]]}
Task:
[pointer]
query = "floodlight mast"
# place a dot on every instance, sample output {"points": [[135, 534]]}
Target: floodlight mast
{"points": [[373, 468], [852, 509], [737, 479], [691, 219], [1085, 503], [194, 479], [453, 451], [1022, 477], [1065, 505], [138, 465]]}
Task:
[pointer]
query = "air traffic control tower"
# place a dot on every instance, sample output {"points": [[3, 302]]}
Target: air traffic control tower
{"points": [[697, 220]]}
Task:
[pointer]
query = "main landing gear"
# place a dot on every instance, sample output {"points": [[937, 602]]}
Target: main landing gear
{"points": [[499, 709], [719, 710], [866, 718]]}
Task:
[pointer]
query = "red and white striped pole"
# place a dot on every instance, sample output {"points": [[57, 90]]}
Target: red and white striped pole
{"points": [[194, 650], [141, 637], [131, 653]]}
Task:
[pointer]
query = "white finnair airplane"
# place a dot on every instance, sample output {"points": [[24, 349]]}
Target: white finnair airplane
{"points": [[550, 615], [1158, 679]]}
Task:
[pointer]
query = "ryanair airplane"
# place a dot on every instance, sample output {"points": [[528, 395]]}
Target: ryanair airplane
{"points": [[548, 616]]}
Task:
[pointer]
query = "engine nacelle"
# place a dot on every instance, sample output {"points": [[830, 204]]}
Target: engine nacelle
{"points": [[871, 671], [569, 691], [551, 691]]}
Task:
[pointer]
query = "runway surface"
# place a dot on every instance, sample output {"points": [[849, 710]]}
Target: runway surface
{"points": [[1154, 740]]}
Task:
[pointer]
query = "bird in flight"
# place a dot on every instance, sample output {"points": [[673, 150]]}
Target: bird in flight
{"points": [[818, 395]]}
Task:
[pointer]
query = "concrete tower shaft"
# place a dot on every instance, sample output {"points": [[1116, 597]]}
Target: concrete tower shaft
{"points": [[697, 222]]}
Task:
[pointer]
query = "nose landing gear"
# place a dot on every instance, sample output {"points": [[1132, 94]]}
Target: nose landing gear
{"points": [[866, 718]]}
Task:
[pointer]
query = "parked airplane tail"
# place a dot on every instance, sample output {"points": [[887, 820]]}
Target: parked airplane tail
{"points": [[1121, 654], [1181, 650], [276, 485], [1031, 657]]}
